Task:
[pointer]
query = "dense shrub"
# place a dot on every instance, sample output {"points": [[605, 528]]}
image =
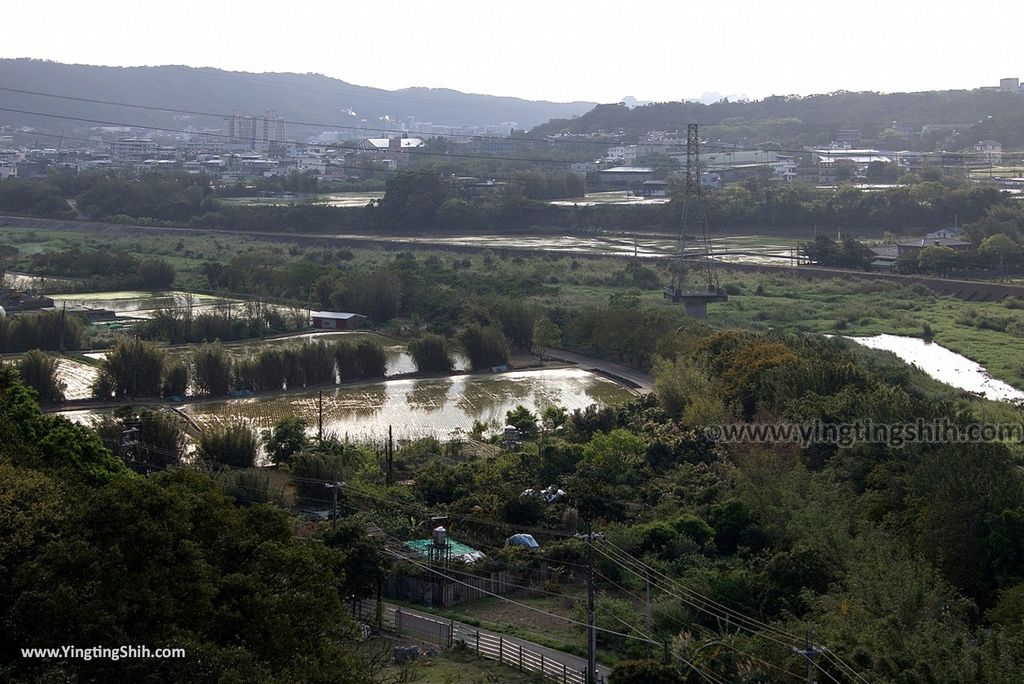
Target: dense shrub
{"points": [[233, 445], [40, 372], [430, 353]]}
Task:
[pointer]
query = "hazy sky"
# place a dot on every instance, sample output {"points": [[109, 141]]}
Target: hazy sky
{"points": [[554, 49]]}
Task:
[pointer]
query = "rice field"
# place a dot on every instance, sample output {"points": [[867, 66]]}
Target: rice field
{"points": [[143, 304], [435, 407], [77, 377]]}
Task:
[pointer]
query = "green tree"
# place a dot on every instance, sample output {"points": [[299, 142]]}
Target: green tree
{"points": [[156, 440], [430, 353], [285, 439], [211, 367], [522, 419], [176, 379], [40, 372], [132, 368], [546, 334], [645, 672], [486, 347], [935, 259], [156, 273]]}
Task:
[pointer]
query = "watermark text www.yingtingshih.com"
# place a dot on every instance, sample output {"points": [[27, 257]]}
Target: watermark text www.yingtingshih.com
{"points": [[88, 653], [941, 431]]}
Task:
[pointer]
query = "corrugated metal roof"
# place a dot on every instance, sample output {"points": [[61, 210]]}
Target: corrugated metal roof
{"points": [[336, 315], [385, 143]]}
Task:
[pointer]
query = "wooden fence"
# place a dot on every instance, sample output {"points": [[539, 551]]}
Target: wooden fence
{"points": [[553, 665], [513, 653]]}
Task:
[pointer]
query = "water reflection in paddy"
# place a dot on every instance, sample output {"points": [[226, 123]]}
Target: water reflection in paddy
{"points": [[419, 408]]}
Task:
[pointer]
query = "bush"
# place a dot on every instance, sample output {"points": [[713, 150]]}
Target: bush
{"points": [[317, 363], [159, 439], [431, 355], [645, 672], [212, 368], [362, 360], [132, 368], [310, 469], [44, 330], [249, 486], [156, 273], [176, 380], [270, 371], [486, 347], [233, 445], [287, 438], [39, 371]]}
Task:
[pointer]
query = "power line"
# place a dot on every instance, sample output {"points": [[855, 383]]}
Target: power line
{"points": [[763, 630], [506, 599]]}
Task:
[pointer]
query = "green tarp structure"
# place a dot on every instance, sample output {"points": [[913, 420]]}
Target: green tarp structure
{"points": [[459, 550]]}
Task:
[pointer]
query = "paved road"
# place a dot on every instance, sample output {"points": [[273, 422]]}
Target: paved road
{"points": [[644, 381], [463, 632]]}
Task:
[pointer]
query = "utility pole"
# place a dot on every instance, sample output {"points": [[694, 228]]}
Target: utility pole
{"points": [[334, 485], [320, 417], [647, 577], [389, 473], [810, 652], [63, 314], [130, 444], [591, 615]]}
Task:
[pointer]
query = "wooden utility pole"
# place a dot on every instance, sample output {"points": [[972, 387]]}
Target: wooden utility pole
{"points": [[591, 614], [647, 577], [333, 486], [320, 417], [389, 472], [63, 314]]}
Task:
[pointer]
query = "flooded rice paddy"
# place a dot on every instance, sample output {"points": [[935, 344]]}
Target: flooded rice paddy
{"points": [[733, 249], [420, 408], [143, 304]]}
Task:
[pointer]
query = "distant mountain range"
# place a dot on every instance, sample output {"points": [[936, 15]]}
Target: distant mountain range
{"points": [[297, 97], [926, 119]]}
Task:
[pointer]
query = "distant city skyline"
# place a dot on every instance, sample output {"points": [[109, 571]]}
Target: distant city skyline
{"points": [[653, 50]]}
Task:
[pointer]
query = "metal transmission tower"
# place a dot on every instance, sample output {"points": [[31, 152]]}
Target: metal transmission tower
{"points": [[694, 223]]}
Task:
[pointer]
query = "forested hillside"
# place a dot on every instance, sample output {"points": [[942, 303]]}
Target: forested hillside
{"points": [[302, 97], [816, 119]]}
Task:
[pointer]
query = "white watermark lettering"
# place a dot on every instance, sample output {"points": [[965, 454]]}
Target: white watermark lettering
{"points": [[126, 652], [897, 435]]}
